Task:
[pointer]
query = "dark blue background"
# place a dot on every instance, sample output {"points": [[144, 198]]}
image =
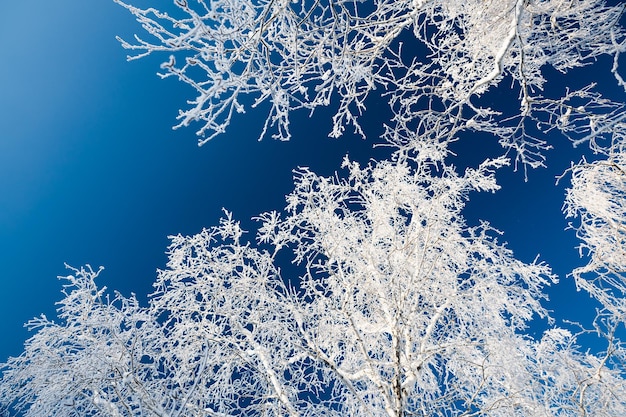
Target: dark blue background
{"points": [[91, 172]]}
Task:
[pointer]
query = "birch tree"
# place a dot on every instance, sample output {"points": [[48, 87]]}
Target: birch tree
{"points": [[399, 308]]}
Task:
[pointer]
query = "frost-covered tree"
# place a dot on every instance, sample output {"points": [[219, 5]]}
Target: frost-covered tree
{"points": [[399, 308], [70, 367], [395, 306], [433, 60], [597, 197]]}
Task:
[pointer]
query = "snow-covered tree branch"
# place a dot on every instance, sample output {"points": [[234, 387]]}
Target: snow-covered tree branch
{"points": [[433, 59], [597, 198]]}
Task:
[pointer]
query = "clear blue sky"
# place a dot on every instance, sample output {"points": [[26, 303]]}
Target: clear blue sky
{"points": [[91, 172]]}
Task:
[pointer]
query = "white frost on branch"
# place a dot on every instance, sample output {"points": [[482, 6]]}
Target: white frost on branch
{"points": [[597, 199], [432, 60], [399, 308]]}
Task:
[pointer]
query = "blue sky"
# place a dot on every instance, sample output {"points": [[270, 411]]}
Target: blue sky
{"points": [[91, 171]]}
